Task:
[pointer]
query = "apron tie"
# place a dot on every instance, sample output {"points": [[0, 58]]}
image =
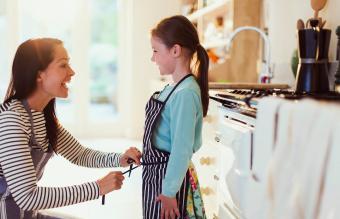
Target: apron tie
{"points": [[131, 161]]}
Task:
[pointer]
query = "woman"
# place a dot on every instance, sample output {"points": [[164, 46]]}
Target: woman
{"points": [[173, 126], [30, 134]]}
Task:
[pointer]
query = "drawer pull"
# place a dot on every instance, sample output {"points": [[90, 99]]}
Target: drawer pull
{"points": [[217, 139], [208, 119], [216, 177], [206, 191], [254, 176], [206, 161]]}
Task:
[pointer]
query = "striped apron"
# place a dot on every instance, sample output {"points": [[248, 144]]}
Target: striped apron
{"points": [[8, 208], [155, 163]]}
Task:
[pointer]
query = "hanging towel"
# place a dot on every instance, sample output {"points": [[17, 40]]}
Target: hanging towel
{"points": [[330, 191], [264, 138], [298, 166]]}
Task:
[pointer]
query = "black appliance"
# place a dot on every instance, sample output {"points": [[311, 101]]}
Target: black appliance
{"points": [[312, 75]]}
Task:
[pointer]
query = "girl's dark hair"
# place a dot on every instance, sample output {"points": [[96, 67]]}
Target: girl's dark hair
{"points": [[179, 30], [32, 56]]}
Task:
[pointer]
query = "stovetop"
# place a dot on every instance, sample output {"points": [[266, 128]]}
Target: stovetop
{"points": [[245, 101]]}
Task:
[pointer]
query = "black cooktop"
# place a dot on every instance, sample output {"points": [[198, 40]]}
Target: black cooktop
{"points": [[245, 100]]}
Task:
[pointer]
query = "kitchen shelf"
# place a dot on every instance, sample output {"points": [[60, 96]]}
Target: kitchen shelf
{"points": [[218, 7], [215, 44]]}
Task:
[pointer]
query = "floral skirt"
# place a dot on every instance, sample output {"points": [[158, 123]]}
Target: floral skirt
{"points": [[194, 202]]}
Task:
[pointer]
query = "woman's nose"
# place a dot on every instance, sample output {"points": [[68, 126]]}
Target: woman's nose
{"points": [[72, 73]]}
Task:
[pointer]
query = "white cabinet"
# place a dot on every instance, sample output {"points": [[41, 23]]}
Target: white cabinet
{"points": [[224, 163], [206, 161]]}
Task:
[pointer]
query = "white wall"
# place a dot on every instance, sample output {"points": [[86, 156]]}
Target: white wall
{"points": [[281, 17], [138, 70]]}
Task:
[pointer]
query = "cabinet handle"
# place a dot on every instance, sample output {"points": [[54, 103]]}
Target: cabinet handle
{"points": [[206, 191], [206, 161], [216, 177], [217, 139], [208, 119], [215, 216], [254, 176]]}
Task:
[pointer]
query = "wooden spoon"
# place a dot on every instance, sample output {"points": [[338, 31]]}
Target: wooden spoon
{"points": [[317, 6], [300, 25]]}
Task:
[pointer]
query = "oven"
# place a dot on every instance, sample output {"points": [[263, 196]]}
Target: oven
{"points": [[234, 134], [241, 187]]}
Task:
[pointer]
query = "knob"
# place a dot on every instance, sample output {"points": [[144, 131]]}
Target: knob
{"points": [[208, 118], [206, 161], [216, 177], [215, 216], [206, 191]]}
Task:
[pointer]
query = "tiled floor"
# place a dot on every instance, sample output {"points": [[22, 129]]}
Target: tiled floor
{"points": [[123, 204]]}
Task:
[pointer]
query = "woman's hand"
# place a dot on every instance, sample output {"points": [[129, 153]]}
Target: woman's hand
{"points": [[169, 207], [132, 153], [112, 181]]}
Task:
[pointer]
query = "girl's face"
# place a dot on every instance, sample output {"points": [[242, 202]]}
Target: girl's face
{"points": [[162, 56], [53, 80]]}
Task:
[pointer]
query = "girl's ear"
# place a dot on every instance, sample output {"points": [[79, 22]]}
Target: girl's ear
{"points": [[176, 50], [40, 76]]}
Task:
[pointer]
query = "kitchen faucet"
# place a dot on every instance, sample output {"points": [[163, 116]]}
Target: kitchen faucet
{"points": [[265, 74]]}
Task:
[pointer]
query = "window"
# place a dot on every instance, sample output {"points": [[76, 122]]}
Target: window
{"points": [[103, 59], [3, 49], [89, 30]]}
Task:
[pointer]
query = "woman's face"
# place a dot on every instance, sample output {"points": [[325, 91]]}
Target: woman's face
{"points": [[162, 56], [54, 79]]}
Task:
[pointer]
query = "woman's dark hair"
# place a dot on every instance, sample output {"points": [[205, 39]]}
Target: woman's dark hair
{"points": [[179, 30], [31, 57]]}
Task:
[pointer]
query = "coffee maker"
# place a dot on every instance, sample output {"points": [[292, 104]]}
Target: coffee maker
{"points": [[312, 73]]}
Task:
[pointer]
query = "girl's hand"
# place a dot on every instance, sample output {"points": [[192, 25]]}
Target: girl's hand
{"points": [[169, 207], [132, 153], [112, 181]]}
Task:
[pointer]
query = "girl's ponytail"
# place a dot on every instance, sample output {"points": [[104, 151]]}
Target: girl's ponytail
{"points": [[202, 76]]}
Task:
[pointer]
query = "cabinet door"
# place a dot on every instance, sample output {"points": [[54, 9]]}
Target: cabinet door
{"points": [[206, 161]]}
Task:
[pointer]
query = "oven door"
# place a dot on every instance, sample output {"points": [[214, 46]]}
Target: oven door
{"points": [[236, 139]]}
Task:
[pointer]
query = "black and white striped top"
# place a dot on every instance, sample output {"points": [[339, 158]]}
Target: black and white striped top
{"points": [[17, 168]]}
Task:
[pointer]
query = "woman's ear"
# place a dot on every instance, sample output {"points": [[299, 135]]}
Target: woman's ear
{"points": [[176, 50]]}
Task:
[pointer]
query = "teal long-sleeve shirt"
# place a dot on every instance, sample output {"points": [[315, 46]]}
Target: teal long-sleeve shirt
{"points": [[179, 131]]}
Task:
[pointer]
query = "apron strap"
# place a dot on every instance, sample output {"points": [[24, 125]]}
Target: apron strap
{"points": [[185, 77], [28, 110]]}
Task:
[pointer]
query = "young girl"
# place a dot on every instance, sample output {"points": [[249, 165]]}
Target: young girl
{"points": [[30, 135], [173, 127]]}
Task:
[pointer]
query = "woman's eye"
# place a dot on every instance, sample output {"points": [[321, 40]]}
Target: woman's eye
{"points": [[65, 65]]}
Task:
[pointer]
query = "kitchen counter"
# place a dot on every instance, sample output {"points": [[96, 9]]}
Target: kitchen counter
{"points": [[216, 85]]}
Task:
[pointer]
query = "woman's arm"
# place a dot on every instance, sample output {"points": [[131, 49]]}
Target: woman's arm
{"points": [[73, 151], [18, 169]]}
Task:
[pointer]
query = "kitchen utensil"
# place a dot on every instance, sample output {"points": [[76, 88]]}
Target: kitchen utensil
{"points": [[323, 24], [312, 76], [317, 6], [312, 23], [300, 25]]}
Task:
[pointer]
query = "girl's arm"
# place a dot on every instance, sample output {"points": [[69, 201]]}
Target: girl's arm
{"points": [[183, 118]]}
